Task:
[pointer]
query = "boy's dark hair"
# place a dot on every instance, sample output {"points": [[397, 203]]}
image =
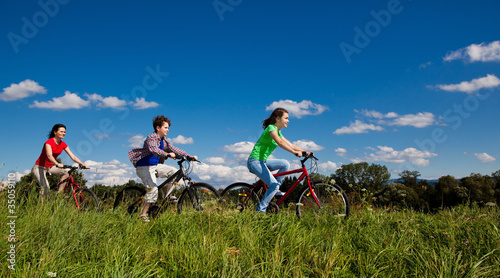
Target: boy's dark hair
{"points": [[160, 120], [54, 129], [278, 112]]}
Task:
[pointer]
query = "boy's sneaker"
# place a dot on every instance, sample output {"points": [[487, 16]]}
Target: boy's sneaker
{"points": [[279, 194], [172, 199]]}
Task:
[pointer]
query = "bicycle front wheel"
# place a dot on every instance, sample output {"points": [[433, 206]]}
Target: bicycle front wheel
{"points": [[86, 200], [239, 196], [332, 201], [130, 200], [198, 197]]}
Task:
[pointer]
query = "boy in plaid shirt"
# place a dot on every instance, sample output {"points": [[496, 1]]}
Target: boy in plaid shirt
{"points": [[149, 159]]}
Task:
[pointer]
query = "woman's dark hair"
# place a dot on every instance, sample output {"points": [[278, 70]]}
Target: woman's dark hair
{"points": [[159, 120], [278, 112], [54, 129]]}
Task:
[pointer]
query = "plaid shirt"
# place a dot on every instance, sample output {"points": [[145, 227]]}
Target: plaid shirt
{"points": [[152, 146]]}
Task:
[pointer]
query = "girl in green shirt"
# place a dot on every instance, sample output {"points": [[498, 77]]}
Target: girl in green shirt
{"points": [[258, 162]]}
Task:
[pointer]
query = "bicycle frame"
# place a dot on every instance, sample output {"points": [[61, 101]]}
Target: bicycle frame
{"points": [[71, 183], [304, 174], [176, 177]]}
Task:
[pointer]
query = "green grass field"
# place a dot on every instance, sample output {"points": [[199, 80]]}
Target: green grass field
{"points": [[56, 240]]}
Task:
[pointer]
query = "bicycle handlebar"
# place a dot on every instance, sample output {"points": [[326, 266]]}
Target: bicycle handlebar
{"points": [[306, 157], [186, 158], [80, 167]]}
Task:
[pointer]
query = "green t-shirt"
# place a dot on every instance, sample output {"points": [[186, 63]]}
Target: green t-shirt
{"points": [[265, 146]]}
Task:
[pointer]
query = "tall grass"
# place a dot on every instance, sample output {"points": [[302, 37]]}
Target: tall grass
{"points": [[57, 239]]}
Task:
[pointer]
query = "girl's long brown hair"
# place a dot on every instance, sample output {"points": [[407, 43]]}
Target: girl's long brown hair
{"points": [[278, 112]]}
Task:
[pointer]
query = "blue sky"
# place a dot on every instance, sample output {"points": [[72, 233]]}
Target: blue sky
{"points": [[413, 85]]}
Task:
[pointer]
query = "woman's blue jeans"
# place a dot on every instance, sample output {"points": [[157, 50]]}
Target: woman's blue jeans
{"points": [[262, 169]]}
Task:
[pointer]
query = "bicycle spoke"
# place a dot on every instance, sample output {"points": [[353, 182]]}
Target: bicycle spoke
{"points": [[130, 200], [199, 197], [332, 201], [238, 197], [87, 200]]}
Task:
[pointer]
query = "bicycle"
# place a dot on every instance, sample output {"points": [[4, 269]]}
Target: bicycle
{"points": [[195, 196], [85, 199], [317, 197]]}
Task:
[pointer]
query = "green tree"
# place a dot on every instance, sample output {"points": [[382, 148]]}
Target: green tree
{"points": [[496, 179], [397, 195], [361, 175], [409, 178], [481, 188], [361, 180], [450, 192]]}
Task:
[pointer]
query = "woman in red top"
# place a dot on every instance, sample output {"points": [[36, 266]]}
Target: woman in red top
{"points": [[47, 162]]}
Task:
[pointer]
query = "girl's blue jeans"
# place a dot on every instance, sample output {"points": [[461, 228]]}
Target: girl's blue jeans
{"points": [[262, 169]]}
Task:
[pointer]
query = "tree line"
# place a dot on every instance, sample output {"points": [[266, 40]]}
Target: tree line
{"points": [[370, 185]]}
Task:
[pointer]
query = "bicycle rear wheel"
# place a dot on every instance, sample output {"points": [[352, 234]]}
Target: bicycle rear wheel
{"points": [[239, 196], [332, 201], [199, 197], [130, 200], [86, 200]]}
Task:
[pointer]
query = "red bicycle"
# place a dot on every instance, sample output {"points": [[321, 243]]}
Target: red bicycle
{"points": [[316, 198], [84, 198]]}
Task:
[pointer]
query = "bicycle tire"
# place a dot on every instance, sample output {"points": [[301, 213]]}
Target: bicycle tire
{"points": [[199, 197], [87, 200], [234, 197], [333, 201], [130, 199]]}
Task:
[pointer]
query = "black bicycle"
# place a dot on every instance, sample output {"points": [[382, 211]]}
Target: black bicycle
{"points": [[196, 196]]}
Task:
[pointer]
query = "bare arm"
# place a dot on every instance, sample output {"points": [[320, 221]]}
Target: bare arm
{"points": [[285, 144], [50, 157], [74, 158]]}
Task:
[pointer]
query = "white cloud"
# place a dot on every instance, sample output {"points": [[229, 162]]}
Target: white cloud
{"points": [[107, 102], [68, 101], [181, 140], [136, 141], [484, 157], [489, 81], [418, 120], [388, 154], [423, 66], [306, 107], [141, 103], [215, 160], [109, 173], [328, 166], [19, 175], [357, 127], [341, 152], [221, 176], [476, 53], [240, 147], [101, 135], [240, 151], [24, 89], [376, 114], [309, 146]]}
